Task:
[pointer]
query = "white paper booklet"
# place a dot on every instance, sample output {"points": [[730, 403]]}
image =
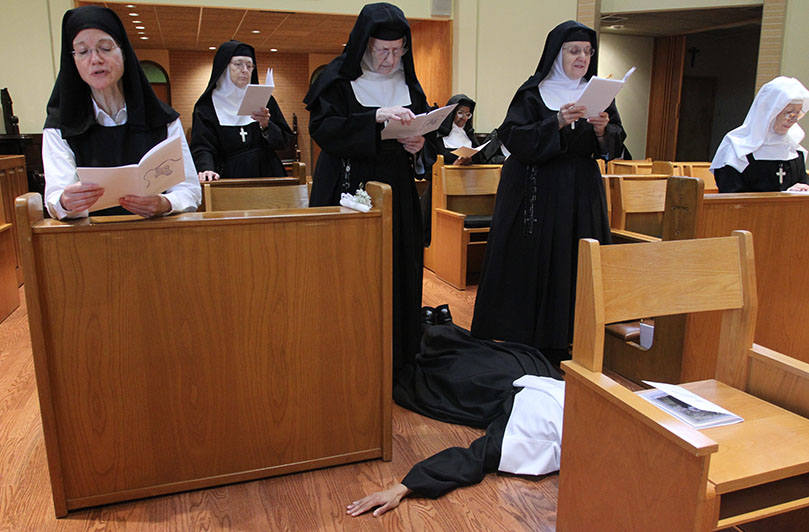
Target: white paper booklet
{"points": [[463, 151], [257, 96], [599, 93], [688, 406], [423, 123], [162, 167]]}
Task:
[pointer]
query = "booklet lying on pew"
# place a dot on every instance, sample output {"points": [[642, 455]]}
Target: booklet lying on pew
{"points": [[162, 167], [688, 406], [423, 123], [257, 96], [600, 92]]}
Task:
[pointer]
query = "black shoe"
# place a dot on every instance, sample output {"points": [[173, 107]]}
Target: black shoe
{"points": [[442, 315], [428, 316]]}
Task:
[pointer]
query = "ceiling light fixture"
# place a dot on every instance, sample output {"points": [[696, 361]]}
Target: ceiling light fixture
{"points": [[140, 27], [255, 31], [617, 27], [145, 38], [137, 22], [273, 49], [129, 6], [212, 48], [134, 15]]}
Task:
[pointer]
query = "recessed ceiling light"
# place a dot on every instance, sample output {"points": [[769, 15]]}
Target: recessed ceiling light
{"points": [[130, 6], [137, 22], [145, 38], [134, 15], [255, 31], [617, 27], [273, 49], [141, 33], [212, 48], [140, 27]]}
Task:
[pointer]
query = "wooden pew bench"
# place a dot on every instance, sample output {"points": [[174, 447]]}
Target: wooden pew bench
{"points": [[189, 351], [14, 181], [463, 203], [253, 193]]}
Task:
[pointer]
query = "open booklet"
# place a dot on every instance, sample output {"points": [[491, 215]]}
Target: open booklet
{"points": [[468, 153], [688, 406], [599, 93], [160, 168], [423, 123], [257, 96]]}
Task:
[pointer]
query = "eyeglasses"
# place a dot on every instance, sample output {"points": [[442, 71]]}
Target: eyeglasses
{"points": [[461, 114], [575, 50], [239, 65], [384, 52], [793, 115], [103, 50]]}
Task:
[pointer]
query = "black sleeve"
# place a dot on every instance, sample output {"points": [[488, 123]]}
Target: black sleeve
{"points": [[728, 179], [278, 133], [529, 131], [456, 466], [204, 142], [337, 130]]}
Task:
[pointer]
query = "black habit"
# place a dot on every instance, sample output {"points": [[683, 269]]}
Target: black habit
{"points": [[237, 151], [70, 107], [353, 154], [762, 176], [550, 195]]}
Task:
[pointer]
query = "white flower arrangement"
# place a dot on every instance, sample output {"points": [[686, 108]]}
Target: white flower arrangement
{"points": [[360, 201]]}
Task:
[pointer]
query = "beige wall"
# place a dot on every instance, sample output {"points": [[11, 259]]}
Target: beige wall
{"points": [[630, 6], [617, 54], [795, 61], [411, 8]]}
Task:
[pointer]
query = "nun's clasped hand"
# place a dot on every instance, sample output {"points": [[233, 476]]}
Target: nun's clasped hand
{"points": [[79, 197], [599, 123], [412, 144], [402, 114], [569, 113], [146, 206], [262, 116]]}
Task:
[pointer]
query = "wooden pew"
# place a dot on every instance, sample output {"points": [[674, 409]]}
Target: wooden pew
{"points": [[662, 362], [463, 202], [14, 181], [625, 166], [189, 351], [637, 203], [778, 222], [226, 196], [243, 183], [9, 288], [299, 171], [702, 171]]}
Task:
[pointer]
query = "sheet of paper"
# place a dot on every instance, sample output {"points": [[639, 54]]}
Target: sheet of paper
{"points": [[161, 168], [463, 151], [257, 96], [599, 93], [688, 397], [423, 123]]}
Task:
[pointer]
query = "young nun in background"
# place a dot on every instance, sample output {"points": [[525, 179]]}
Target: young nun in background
{"points": [[226, 144], [374, 81], [550, 195], [103, 112], [764, 154]]}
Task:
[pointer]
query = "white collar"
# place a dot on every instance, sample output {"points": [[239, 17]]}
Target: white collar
{"points": [[104, 119], [227, 97], [373, 89], [457, 137], [557, 89]]}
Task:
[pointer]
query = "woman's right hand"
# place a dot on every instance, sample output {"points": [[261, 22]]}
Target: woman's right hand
{"points": [[80, 197], [403, 114], [569, 113], [385, 500], [208, 175]]}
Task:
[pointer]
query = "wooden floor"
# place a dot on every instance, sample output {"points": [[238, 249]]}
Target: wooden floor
{"points": [[300, 502]]}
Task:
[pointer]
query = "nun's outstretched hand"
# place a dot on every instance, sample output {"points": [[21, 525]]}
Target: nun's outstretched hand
{"points": [[80, 196], [402, 114], [799, 187], [146, 206], [412, 144], [385, 500]]}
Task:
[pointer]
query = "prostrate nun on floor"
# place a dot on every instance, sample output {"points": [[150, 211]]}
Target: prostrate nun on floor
{"points": [[226, 144]]}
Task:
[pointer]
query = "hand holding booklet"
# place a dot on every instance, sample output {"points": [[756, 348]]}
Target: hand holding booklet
{"points": [[423, 123], [600, 92], [162, 167], [468, 153], [257, 96], [688, 406]]}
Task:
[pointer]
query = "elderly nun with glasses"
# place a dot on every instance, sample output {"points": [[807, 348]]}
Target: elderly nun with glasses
{"points": [[226, 144], [103, 112], [372, 82], [764, 154], [550, 195]]}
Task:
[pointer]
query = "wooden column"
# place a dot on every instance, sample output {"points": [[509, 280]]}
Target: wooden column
{"points": [[588, 12]]}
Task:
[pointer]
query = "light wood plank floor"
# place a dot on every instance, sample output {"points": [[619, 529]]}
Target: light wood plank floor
{"points": [[299, 502]]}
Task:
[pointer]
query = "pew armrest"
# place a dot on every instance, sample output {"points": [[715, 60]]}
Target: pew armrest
{"points": [[622, 236]]}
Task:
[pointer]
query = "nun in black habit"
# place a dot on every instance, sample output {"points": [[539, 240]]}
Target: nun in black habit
{"points": [[550, 195], [103, 112], [764, 153], [371, 82], [226, 144]]}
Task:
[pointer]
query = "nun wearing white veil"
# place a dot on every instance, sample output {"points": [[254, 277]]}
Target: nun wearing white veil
{"points": [[764, 153]]}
